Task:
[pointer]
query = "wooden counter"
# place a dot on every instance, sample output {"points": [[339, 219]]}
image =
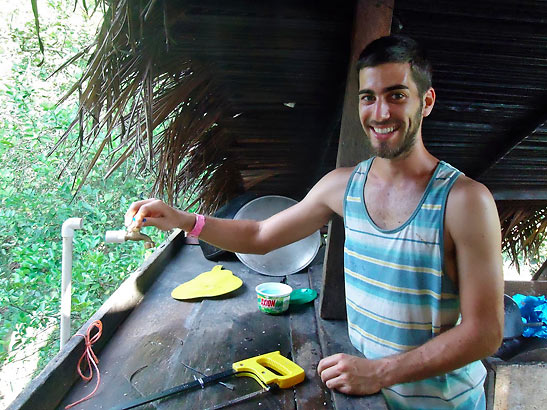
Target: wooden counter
{"points": [[145, 352]]}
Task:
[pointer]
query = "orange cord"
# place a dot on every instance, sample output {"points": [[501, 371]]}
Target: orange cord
{"points": [[91, 358]]}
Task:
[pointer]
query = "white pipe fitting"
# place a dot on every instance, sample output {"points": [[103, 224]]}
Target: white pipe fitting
{"points": [[131, 235], [115, 236], [67, 232]]}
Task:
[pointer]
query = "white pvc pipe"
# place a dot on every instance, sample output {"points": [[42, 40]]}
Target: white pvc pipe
{"points": [[67, 232], [115, 236]]}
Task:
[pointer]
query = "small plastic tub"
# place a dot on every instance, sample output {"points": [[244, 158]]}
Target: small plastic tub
{"points": [[273, 298]]}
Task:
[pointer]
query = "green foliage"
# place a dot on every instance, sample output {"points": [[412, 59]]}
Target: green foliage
{"points": [[36, 197]]}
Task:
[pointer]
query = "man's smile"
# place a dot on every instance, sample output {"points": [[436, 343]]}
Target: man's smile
{"points": [[383, 132]]}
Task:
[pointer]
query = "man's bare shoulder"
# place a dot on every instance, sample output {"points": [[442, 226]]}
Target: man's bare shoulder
{"points": [[470, 206], [468, 192], [331, 188], [336, 180], [341, 174]]}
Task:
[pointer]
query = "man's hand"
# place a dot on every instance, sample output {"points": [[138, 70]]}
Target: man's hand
{"points": [[153, 212], [351, 374]]}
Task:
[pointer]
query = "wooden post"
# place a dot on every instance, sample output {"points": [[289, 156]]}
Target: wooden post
{"points": [[372, 20], [541, 271]]}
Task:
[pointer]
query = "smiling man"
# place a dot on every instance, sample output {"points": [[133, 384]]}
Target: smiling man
{"points": [[422, 257]]}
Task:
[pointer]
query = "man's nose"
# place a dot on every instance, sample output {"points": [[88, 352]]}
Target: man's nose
{"points": [[381, 110]]}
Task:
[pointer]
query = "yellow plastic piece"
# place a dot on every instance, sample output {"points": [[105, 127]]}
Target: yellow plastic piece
{"points": [[289, 375], [216, 282]]}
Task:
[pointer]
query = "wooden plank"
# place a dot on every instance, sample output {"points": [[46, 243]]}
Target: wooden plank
{"points": [[306, 350], [143, 352], [489, 382], [333, 337], [519, 131], [532, 288], [520, 386], [333, 273], [372, 20], [53, 383], [539, 194]]}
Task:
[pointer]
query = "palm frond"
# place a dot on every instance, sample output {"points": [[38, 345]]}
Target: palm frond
{"points": [[142, 97], [524, 227]]}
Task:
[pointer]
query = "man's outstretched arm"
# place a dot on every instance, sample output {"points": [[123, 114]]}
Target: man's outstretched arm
{"points": [[248, 236], [473, 223]]}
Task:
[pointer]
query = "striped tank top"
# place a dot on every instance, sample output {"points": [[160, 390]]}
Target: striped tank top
{"points": [[397, 296]]}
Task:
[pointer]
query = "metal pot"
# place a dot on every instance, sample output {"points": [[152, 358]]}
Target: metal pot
{"points": [[283, 261]]}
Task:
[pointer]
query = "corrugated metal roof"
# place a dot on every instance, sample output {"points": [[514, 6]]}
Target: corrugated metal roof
{"points": [[490, 75], [282, 68]]}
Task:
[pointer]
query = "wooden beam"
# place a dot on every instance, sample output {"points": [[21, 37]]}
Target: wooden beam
{"points": [[372, 20], [539, 195], [541, 271], [525, 287]]}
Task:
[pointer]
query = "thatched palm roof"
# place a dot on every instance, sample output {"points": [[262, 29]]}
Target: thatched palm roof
{"points": [[524, 228], [159, 90], [216, 98], [141, 97]]}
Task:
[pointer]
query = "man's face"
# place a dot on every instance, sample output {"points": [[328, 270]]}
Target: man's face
{"points": [[390, 109]]}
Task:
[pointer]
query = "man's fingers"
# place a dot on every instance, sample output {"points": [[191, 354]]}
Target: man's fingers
{"points": [[339, 385], [327, 367], [144, 215], [335, 380], [149, 221], [335, 383], [327, 362], [328, 374], [134, 209]]}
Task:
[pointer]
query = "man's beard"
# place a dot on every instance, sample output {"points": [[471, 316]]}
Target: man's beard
{"points": [[404, 148]]}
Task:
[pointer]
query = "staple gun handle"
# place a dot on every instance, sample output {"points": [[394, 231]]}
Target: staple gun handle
{"points": [[285, 372]]}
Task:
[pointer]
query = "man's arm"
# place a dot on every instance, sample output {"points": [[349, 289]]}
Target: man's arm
{"points": [[248, 236], [472, 222]]}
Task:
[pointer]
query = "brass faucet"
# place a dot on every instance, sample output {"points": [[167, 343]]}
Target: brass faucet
{"points": [[134, 234]]}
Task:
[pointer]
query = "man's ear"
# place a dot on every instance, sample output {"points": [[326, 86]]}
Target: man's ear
{"points": [[429, 102]]}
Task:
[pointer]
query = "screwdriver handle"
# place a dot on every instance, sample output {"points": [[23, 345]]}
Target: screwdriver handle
{"points": [[178, 389]]}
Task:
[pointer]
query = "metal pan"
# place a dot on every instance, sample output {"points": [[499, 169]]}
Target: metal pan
{"points": [[283, 261]]}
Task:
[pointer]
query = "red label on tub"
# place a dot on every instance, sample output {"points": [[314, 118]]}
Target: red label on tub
{"points": [[267, 303]]}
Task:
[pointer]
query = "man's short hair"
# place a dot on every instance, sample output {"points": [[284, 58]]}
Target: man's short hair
{"points": [[399, 49]]}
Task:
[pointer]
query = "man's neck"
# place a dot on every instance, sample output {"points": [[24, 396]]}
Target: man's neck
{"points": [[416, 164]]}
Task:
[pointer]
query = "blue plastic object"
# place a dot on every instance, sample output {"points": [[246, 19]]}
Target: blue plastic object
{"points": [[533, 309]]}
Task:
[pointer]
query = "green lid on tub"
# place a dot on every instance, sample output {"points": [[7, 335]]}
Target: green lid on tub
{"points": [[301, 296]]}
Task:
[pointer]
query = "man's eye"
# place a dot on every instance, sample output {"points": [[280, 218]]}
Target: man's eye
{"points": [[398, 96], [367, 98]]}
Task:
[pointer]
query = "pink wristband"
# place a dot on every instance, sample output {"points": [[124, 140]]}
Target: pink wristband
{"points": [[200, 223]]}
